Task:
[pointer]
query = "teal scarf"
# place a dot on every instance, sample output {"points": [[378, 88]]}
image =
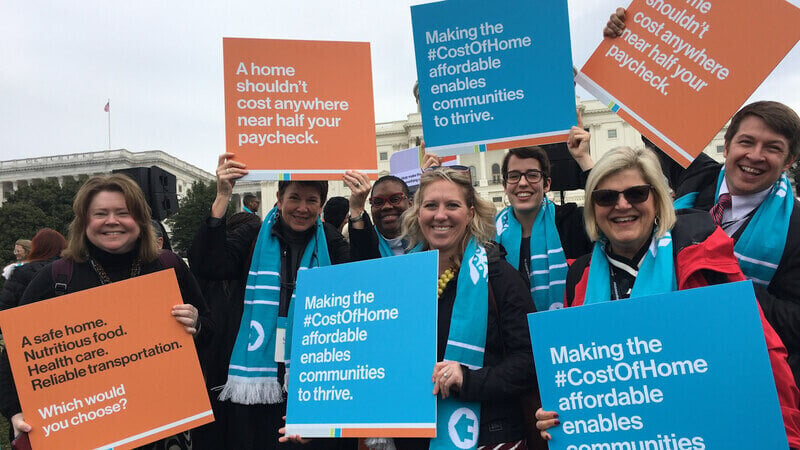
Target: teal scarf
{"points": [[465, 344], [548, 264], [386, 250], [656, 275], [760, 246], [383, 246], [253, 372], [685, 201]]}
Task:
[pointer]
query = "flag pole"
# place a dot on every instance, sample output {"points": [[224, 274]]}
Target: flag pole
{"points": [[108, 110]]}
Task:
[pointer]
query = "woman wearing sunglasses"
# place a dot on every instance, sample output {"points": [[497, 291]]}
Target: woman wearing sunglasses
{"points": [[483, 345], [642, 248]]}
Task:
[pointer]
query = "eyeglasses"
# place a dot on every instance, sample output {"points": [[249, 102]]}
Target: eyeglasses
{"points": [[392, 199], [633, 195], [532, 175]]}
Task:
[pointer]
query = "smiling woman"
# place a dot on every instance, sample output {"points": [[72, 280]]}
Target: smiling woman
{"points": [[259, 265], [539, 235], [111, 227], [389, 197], [111, 239], [483, 344], [642, 248], [112, 215]]}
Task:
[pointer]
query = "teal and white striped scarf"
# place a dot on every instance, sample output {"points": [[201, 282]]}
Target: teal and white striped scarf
{"points": [[656, 275], [253, 372], [465, 345], [760, 246], [548, 265]]}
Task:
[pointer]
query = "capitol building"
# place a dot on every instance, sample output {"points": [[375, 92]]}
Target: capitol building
{"points": [[606, 128]]}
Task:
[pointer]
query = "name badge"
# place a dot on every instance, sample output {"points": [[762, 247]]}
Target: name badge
{"points": [[280, 340]]}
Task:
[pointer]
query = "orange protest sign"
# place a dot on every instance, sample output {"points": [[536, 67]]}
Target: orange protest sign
{"points": [[299, 109], [107, 367], [683, 67]]}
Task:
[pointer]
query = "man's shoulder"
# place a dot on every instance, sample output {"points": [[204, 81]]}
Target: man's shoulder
{"points": [[795, 211], [793, 234], [700, 178]]}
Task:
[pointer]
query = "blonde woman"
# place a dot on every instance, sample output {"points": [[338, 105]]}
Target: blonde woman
{"points": [[484, 350], [642, 248]]}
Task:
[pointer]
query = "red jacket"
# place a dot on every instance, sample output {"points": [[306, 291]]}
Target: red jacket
{"points": [[707, 262]]}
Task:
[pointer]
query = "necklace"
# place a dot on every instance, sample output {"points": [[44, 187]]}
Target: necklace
{"points": [[136, 268], [444, 278]]}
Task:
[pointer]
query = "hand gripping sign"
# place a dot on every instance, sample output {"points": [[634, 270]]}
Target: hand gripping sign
{"points": [[686, 369], [363, 349], [107, 367]]}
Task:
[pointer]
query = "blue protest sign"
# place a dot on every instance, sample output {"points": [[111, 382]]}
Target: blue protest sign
{"points": [[493, 72], [363, 349], [683, 370]]}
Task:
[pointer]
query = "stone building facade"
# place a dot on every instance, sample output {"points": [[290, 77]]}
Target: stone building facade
{"points": [[21, 172]]}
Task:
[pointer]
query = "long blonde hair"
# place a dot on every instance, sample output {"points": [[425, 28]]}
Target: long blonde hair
{"points": [[481, 226]]}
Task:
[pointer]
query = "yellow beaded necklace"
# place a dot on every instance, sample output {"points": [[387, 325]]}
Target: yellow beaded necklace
{"points": [[444, 278]]}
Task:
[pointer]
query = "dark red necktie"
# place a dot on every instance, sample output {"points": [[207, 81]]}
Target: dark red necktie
{"points": [[718, 210]]}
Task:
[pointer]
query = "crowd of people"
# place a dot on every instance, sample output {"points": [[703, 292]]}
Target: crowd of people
{"points": [[646, 227], [628, 240]]}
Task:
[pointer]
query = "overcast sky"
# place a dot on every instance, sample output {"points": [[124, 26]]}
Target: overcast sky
{"points": [[160, 63]]}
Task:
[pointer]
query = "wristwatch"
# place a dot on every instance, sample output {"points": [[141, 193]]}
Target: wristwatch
{"points": [[357, 218]]}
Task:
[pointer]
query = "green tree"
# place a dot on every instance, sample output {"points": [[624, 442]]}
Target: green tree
{"points": [[54, 199], [193, 209], [794, 174], [43, 203], [18, 221]]}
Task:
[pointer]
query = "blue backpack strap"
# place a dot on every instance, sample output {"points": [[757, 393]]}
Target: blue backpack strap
{"points": [[61, 271]]}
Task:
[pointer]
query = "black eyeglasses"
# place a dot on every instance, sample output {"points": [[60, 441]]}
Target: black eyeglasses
{"points": [[532, 175], [633, 195], [392, 199]]}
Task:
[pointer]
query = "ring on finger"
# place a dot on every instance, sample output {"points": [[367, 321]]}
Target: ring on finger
{"points": [[227, 170], [357, 184]]}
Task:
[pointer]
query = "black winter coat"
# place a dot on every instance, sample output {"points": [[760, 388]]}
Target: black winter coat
{"points": [[780, 301], [217, 255], [15, 286], [507, 373]]}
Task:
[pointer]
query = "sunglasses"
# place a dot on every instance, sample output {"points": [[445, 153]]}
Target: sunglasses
{"points": [[457, 168], [633, 195], [454, 167], [392, 199], [532, 176]]}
